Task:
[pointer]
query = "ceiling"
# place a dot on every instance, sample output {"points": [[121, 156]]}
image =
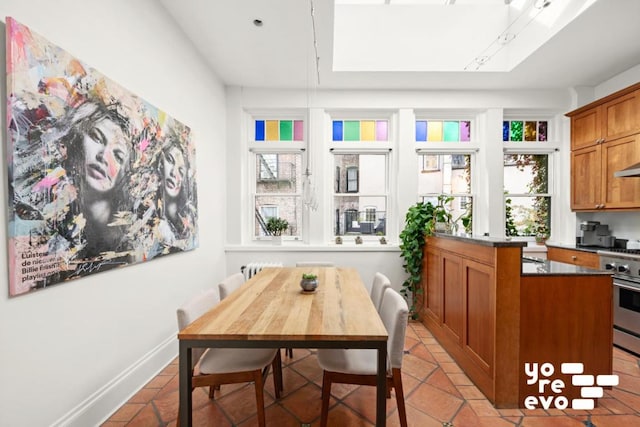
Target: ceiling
{"points": [[604, 40]]}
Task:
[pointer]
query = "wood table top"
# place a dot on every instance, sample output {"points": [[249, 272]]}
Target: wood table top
{"points": [[272, 306]]}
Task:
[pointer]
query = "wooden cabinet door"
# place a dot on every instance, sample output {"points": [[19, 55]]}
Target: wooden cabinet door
{"points": [[621, 116], [586, 180], [452, 314], [432, 286], [480, 309], [620, 193], [586, 128]]}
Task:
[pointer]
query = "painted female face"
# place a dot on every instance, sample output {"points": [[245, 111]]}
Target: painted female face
{"points": [[174, 171], [106, 153]]}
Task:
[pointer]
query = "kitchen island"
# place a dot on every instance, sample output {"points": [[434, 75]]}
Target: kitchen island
{"points": [[495, 314]]}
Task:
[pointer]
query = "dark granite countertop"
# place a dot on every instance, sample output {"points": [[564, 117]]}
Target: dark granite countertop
{"points": [[575, 247], [483, 240], [538, 267]]}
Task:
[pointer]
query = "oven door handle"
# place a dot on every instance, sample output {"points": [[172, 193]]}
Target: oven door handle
{"points": [[620, 285]]}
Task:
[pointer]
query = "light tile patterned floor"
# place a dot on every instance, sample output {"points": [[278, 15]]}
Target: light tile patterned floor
{"points": [[437, 393]]}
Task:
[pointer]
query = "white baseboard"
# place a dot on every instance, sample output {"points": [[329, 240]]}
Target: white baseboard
{"points": [[98, 407]]}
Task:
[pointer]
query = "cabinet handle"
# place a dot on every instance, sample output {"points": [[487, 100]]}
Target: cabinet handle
{"points": [[573, 257]]}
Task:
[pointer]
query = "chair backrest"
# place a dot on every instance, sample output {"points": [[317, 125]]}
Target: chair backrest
{"points": [[380, 283], [394, 313], [315, 264], [230, 284], [191, 310]]}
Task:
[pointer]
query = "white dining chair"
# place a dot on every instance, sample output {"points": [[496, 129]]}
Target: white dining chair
{"points": [[359, 366], [230, 284], [380, 283], [216, 366], [315, 264]]}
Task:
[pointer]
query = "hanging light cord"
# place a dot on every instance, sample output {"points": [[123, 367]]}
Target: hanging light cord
{"points": [[315, 41]]}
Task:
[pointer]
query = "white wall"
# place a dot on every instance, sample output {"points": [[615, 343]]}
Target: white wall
{"points": [[71, 354]]}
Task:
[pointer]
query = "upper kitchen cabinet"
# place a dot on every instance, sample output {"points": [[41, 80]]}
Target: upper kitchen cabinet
{"points": [[605, 138]]}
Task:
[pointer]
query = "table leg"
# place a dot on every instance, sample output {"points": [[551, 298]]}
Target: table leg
{"points": [[381, 394], [184, 360]]}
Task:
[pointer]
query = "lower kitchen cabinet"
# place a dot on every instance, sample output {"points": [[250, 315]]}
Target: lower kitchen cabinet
{"points": [[572, 256]]}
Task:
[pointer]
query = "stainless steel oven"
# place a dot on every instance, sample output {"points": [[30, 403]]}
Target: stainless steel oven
{"points": [[625, 266]]}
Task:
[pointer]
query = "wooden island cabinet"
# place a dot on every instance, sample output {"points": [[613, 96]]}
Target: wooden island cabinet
{"points": [[493, 314]]}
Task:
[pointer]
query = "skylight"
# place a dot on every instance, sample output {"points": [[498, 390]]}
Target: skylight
{"points": [[445, 35]]}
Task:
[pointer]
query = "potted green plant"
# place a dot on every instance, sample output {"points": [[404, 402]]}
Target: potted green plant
{"points": [[441, 214], [275, 227], [419, 222], [309, 282]]}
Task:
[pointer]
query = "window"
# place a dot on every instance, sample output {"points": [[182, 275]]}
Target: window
{"points": [[276, 146], [527, 197], [278, 188], [443, 130], [352, 179], [360, 196], [524, 130], [450, 183], [268, 166]]}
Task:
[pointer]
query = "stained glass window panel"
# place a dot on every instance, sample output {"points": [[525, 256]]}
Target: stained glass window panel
{"points": [[337, 130], [530, 131], [465, 131], [421, 130], [382, 130], [542, 131], [259, 130], [516, 131], [434, 131], [352, 130], [298, 130], [451, 131], [286, 130], [272, 130], [368, 130]]}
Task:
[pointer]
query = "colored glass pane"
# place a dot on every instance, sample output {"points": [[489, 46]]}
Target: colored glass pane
{"points": [[382, 130], [298, 130], [352, 130], [434, 131], [451, 131], [337, 130], [465, 131], [272, 130], [542, 131], [286, 130], [421, 130], [505, 130], [368, 130], [259, 130], [516, 131], [530, 131]]}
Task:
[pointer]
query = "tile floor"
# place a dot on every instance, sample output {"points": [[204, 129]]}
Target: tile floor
{"points": [[437, 394]]}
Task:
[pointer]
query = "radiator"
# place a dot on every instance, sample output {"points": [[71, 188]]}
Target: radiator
{"points": [[252, 268]]}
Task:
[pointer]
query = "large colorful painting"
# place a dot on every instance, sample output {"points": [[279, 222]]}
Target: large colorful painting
{"points": [[98, 178]]}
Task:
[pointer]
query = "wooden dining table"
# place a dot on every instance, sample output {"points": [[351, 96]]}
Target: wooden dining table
{"points": [[270, 310]]}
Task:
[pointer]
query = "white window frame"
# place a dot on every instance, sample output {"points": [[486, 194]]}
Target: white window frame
{"points": [[534, 148], [551, 146], [456, 150], [363, 148], [254, 147]]}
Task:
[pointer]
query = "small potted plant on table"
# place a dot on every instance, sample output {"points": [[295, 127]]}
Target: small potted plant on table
{"points": [[309, 282]]}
